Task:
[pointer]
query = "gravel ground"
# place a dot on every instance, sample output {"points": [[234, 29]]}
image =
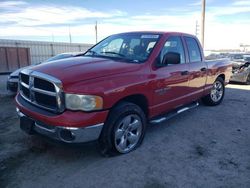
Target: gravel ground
{"points": [[204, 147]]}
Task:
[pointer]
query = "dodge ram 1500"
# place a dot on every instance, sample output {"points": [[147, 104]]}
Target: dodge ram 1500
{"points": [[111, 92]]}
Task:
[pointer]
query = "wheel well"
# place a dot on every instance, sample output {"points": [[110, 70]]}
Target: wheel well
{"points": [[137, 99], [222, 76]]}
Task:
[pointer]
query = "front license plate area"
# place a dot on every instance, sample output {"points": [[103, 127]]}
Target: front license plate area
{"points": [[26, 124]]}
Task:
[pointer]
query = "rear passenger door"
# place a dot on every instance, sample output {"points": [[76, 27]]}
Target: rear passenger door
{"points": [[197, 68]]}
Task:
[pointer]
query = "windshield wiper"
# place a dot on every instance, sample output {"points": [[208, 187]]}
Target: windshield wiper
{"points": [[89, 53], [121, 55], [93, 52]]}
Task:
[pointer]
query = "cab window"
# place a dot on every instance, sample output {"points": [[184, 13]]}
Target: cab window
{"points": [[173, 44], [193, 50]]}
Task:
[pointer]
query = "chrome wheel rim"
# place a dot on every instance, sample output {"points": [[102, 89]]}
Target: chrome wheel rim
{"points": [[128, 133], [217, 91]]}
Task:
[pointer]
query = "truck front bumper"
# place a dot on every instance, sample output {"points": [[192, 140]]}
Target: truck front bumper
{"points": [[64, 134], [69, 126]]}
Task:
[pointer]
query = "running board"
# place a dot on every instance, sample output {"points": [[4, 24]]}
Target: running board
{"points": [[173, 113]]}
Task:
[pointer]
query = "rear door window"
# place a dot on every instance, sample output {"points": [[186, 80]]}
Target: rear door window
{"points": [[193, 50]]}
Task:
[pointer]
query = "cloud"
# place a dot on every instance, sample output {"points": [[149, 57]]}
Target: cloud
{"points": [[45, 15], [54, 20], [11, 4], [197, 3], [228, 10], [242, 6], [239, 3]]}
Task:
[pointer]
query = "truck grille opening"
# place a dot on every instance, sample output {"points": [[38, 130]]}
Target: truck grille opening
{"points": [[46, 100], [25, 91], [43, 84], [41, 90], [25, 79]]}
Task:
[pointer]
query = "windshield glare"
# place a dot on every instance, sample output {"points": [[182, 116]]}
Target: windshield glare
{"points": [[130, 47]]}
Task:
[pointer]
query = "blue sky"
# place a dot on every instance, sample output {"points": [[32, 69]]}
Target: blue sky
{"points": [[227, 21]]}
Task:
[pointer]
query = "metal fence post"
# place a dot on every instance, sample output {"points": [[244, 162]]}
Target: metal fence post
{"points": [[52, 49]]}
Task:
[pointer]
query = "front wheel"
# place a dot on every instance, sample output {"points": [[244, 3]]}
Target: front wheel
{"points": [[216, 94], [124, 129]]}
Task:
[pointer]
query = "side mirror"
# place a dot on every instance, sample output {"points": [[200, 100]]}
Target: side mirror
{"points": [[171, 58]]}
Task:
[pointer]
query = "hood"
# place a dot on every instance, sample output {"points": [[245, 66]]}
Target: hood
{"points": [[76, 69], [16, 72]]}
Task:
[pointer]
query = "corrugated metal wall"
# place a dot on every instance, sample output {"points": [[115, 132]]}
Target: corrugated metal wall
{"points": [[40, 51], [12, 58]]}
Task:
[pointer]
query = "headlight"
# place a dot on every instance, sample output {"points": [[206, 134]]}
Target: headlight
{"points": [[83, 102]]}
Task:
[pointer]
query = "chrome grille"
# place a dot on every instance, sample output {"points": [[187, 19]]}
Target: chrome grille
{"points": [[41, 90]]}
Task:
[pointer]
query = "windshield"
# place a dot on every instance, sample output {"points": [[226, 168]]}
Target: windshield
{"points": [[132, 47], [57, 57]]}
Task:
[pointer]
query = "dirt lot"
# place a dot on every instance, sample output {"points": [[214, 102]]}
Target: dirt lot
{"points": [[205, 147]]}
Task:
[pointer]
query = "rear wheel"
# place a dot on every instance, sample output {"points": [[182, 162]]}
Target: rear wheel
{"points": [[216, 94], [124, 129]]}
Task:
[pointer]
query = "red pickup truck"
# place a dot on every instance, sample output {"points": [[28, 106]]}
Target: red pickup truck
{"points": [[112, 91]]}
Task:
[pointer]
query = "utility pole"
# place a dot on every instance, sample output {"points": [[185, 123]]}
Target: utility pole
{"points": [[203, 14], [96, 32], [70, 39], [196, 28]]}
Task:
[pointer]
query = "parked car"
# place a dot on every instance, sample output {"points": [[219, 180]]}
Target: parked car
{"points": [[247, 58], [241, 73], [112, 91], [213, 56], [237, 60], [12, 81]]}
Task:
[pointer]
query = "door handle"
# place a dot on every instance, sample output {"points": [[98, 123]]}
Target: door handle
{"points": [[203, 69], [183, 73]]}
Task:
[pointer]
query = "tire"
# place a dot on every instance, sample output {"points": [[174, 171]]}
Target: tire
{"points": [[216, 95], [248, 80], [125, 126]]}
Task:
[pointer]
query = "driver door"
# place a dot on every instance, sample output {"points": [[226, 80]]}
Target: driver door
{"points": [[170, 89]]}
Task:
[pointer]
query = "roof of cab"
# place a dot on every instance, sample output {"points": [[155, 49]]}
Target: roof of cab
{"points": [[158, 32]]}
